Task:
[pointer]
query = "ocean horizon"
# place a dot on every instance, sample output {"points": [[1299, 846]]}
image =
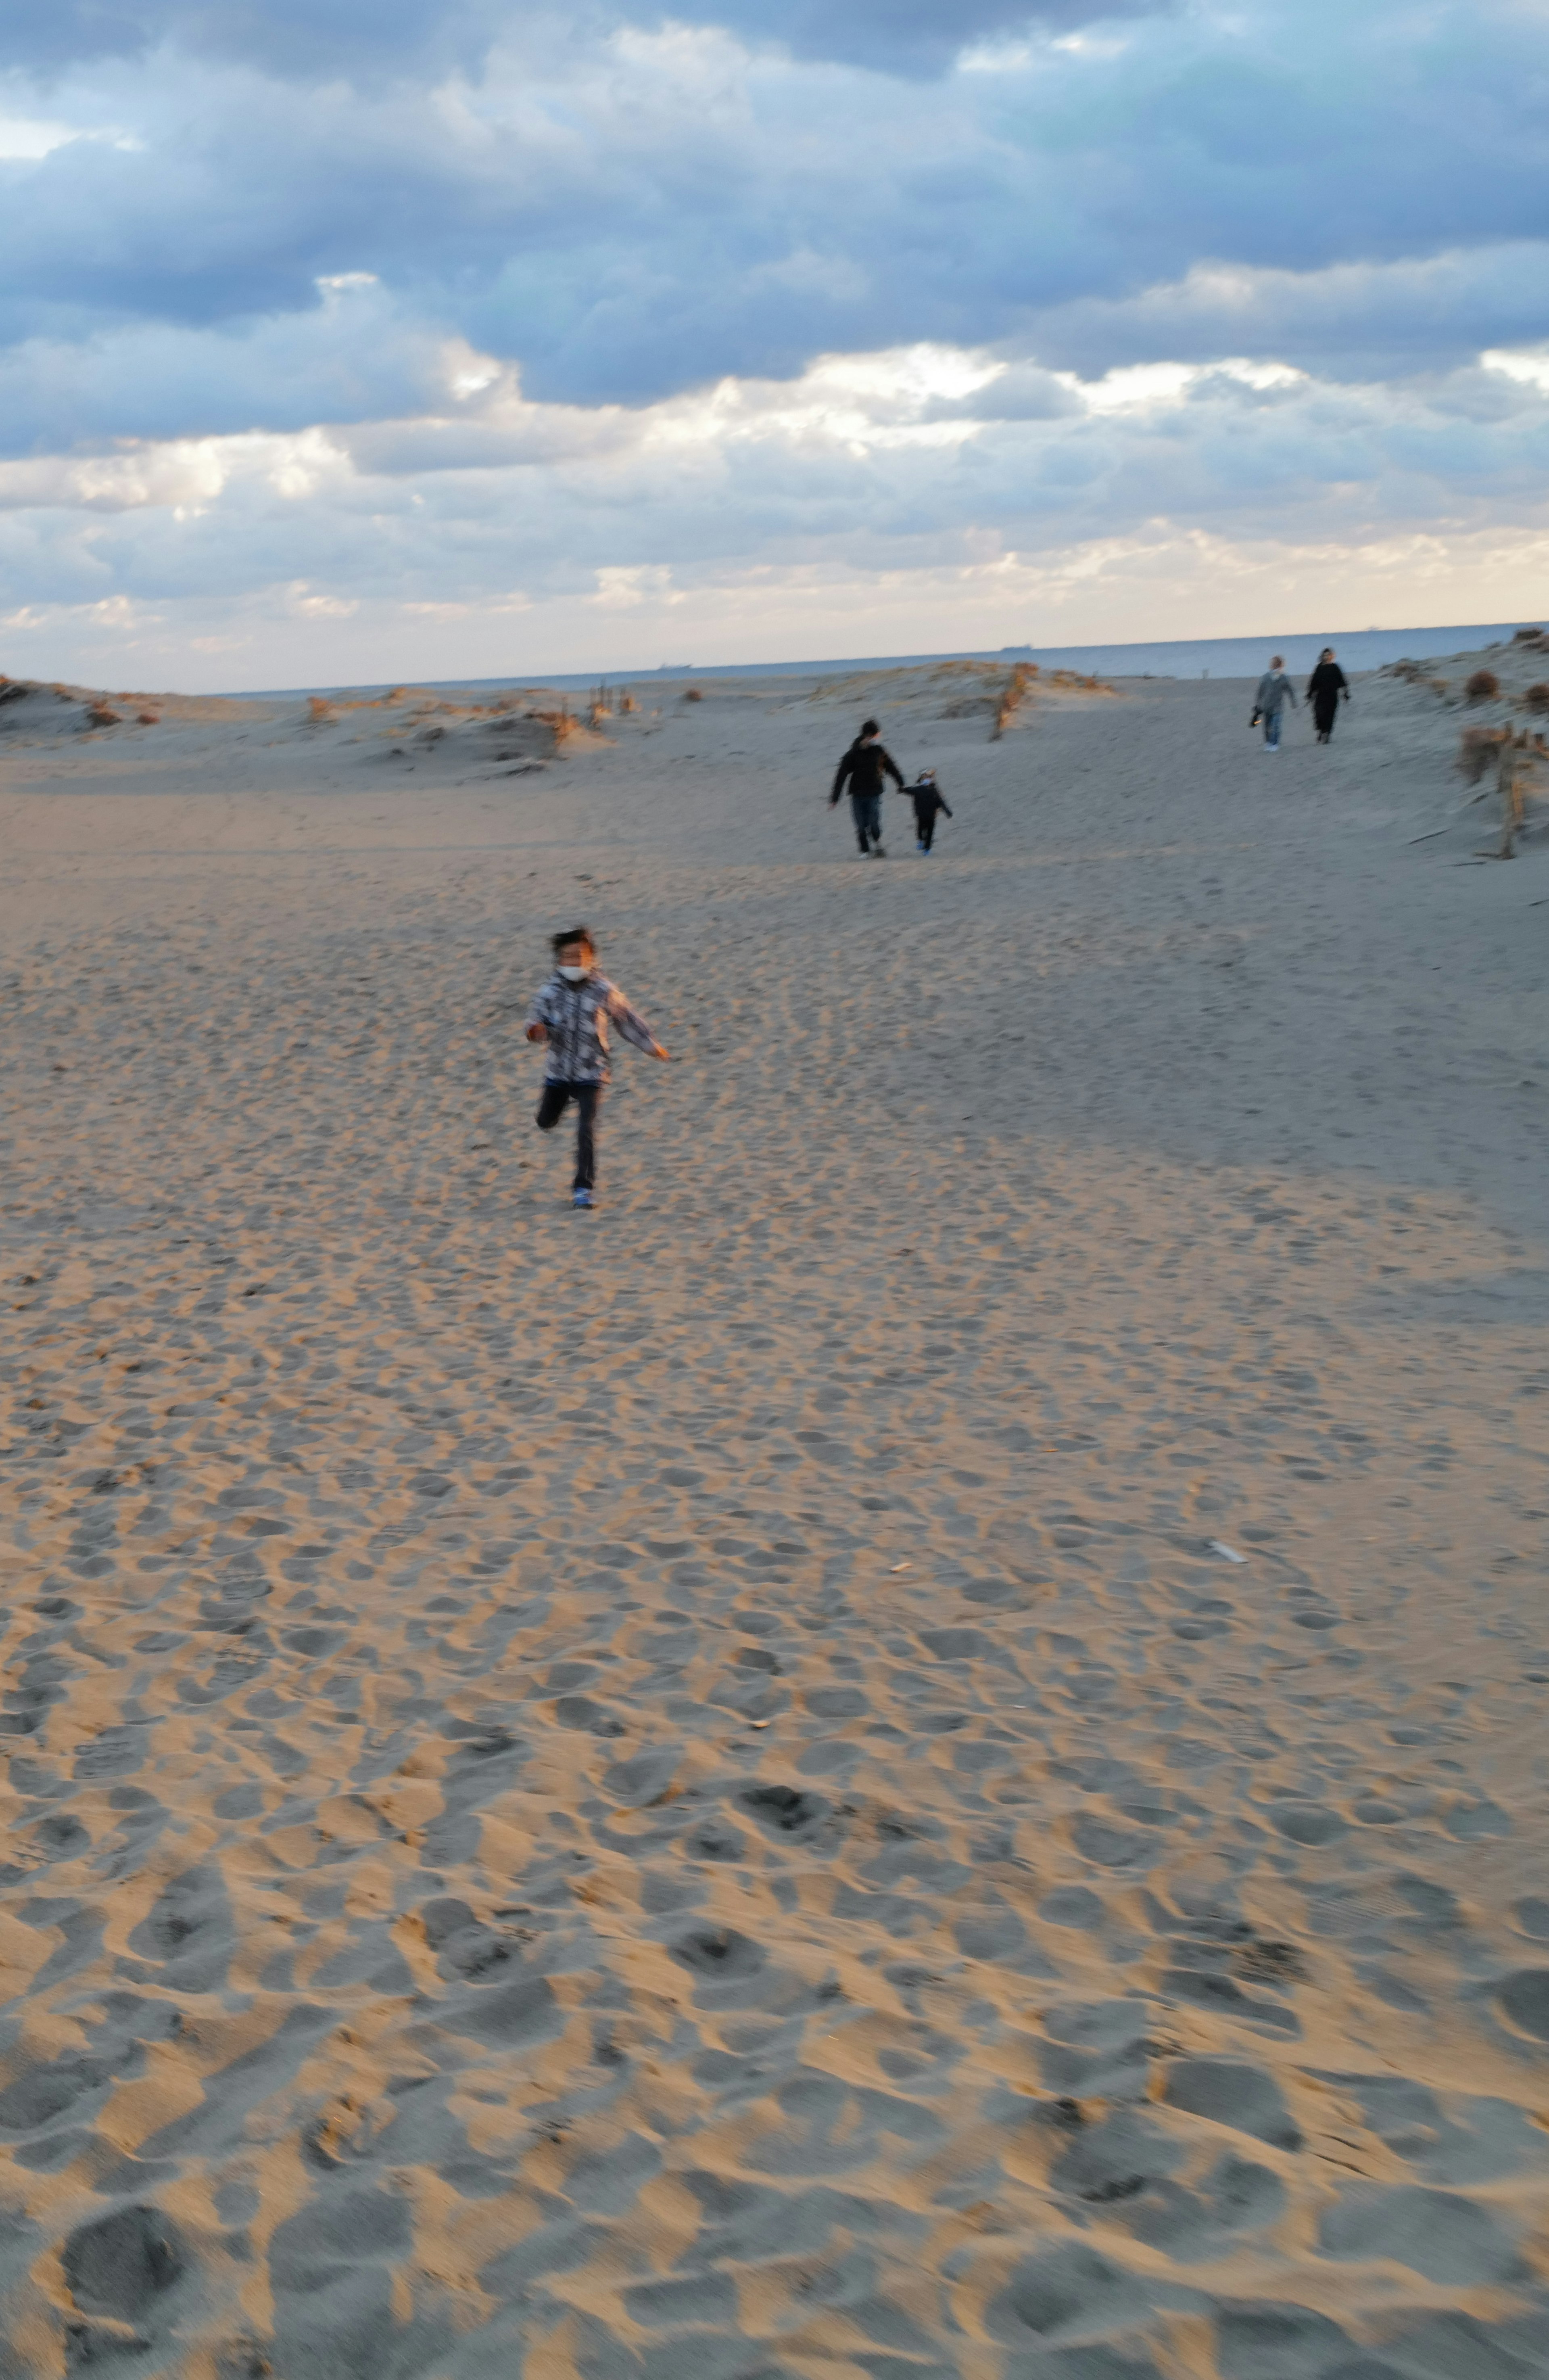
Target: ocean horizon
{"points": [[1191, 657]]}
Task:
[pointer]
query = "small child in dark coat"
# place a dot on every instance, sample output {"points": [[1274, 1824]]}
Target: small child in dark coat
{"points": [[929, 802]]}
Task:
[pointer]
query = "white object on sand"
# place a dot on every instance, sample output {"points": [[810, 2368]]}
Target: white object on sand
{"points": [[1227, 1553]]}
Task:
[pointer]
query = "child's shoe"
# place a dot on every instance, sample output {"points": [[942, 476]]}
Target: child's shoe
{"points": [[582, 1198]]}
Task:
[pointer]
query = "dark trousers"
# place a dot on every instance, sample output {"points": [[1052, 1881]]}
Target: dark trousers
{"points": [[866, 811], [1324, 714], [924, 830], [552, 1105]]}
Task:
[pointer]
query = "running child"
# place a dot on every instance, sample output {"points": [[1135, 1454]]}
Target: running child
{"points": [[569, 1017], [929, 802]]}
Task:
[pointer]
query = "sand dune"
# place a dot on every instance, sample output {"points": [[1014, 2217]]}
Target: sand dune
{"points": [[697, 1791]]}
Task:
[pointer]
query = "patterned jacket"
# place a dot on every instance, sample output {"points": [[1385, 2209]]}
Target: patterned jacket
{"points": [[577, 1016]]}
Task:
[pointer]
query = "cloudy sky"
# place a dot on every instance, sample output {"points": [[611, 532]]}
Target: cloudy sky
{"points": [[359, 339]]}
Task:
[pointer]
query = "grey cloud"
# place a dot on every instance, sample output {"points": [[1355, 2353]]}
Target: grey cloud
{"points": [[537, 438], [624, 220], [908, 37], [351, 355], [1023, 392], [297, 38], [1358, 320], [368, 41]]}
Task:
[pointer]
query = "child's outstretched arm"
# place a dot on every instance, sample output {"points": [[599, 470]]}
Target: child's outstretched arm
{"points": [[634, 1027]]}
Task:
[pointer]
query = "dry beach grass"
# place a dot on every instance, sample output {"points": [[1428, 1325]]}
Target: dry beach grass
{"points": [[689, 1791]]}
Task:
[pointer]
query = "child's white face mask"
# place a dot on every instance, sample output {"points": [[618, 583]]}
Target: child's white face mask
{"points": [[575, 975]]}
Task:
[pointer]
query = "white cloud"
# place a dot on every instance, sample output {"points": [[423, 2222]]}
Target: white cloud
{"points": [[30, 136], [629, 589], [187, 476], [307, 606], [877, 501], [1529, 365]]}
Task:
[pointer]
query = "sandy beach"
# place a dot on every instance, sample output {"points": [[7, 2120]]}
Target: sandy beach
{"points": [[915, 1752]]}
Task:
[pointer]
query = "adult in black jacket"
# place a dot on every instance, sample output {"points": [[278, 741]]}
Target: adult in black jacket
{"points": [[1324, 688], [863, 767]]}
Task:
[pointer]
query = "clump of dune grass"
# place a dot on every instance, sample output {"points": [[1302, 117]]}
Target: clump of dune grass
{"points": [[1477, 747], [1519, 756], [1013, 694], [561, 724], [1483, 686]]}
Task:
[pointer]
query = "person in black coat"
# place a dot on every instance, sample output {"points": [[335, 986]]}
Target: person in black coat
{"points": [[1324, 688], [863, 767]]}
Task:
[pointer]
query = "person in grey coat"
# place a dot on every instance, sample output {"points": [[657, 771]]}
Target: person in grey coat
{"points": [[1275, 690]]}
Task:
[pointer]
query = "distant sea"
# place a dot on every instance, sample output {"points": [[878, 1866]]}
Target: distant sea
{"points": [[1231, 657]]}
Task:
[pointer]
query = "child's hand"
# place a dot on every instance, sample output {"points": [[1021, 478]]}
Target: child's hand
{"points": [[538, 1033], [660, 1052]]}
